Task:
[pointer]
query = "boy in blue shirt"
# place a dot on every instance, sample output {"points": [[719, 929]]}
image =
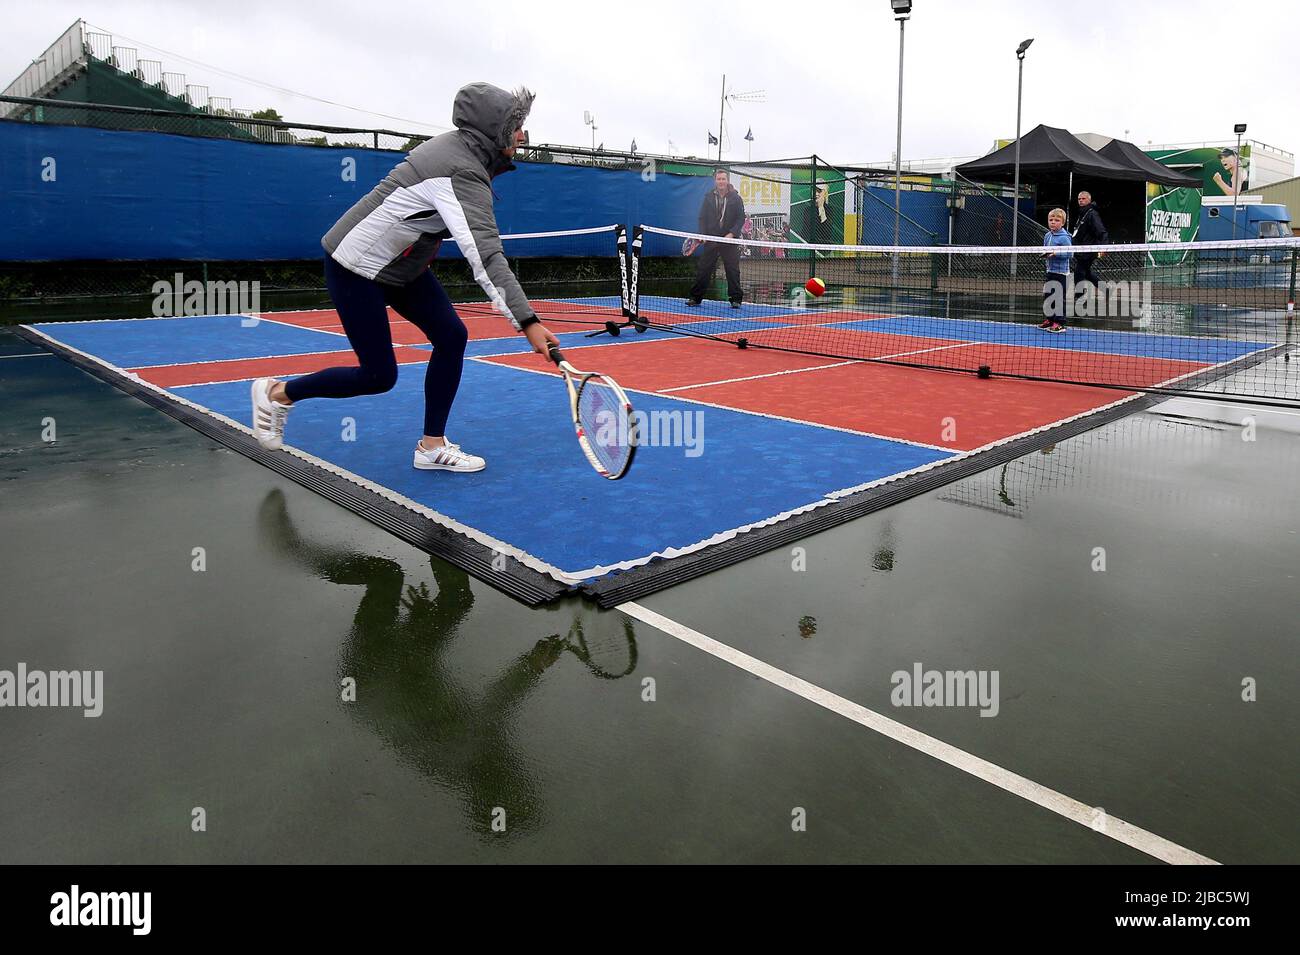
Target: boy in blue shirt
{"points": [[1058, 270]]}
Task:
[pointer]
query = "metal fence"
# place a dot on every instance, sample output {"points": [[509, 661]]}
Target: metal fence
{"points": [[214, 120]]}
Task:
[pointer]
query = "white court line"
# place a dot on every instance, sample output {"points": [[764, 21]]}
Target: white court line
{"points": [[1096, 819], [922, 351], [35, 354], [770, 374], [301, 328]]}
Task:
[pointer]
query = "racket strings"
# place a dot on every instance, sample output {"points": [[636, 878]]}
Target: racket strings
{"points": [[608, 428]]}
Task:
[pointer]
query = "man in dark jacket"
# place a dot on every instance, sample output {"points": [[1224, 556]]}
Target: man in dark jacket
{"points": [[1088, 230], [722, 214]]}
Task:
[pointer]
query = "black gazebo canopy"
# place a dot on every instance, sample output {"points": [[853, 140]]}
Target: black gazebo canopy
{"points": [[1127, 154], [1059, 165], [1046, 151]]}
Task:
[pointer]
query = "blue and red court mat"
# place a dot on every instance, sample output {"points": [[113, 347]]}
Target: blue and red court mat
{"points": [[748, 449]]}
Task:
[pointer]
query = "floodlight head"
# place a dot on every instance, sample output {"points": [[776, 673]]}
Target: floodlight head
{"points": [[1020, 50], [901, 7], [1239, 128]]}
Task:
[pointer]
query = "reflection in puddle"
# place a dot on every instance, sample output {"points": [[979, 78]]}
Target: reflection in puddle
{"points": [[459, 731]]}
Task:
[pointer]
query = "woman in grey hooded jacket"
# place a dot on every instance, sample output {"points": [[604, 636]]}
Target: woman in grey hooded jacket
{"points": [[378, 255]]}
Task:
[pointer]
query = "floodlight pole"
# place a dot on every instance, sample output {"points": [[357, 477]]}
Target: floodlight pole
{"points": [[1236, 187], [1015, 186], [898, 143], [590, 120], [722, 107]]}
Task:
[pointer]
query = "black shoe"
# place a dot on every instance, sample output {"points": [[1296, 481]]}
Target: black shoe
{"points": [[735, 304], [693, 303]]}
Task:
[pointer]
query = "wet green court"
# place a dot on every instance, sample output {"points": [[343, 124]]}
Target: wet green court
{"points": [[485, 731]]}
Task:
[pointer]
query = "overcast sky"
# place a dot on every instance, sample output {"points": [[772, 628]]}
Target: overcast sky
{"points": [[652, 71]]}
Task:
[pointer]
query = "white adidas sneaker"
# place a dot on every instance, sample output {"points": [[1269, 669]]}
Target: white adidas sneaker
{"points": [[268, 416], [449, 457]]}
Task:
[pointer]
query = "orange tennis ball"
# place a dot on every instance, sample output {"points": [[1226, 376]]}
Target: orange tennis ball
{"points": [[815, 287]]}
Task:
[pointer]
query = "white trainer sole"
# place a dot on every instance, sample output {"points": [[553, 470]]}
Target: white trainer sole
{"points": [[447, 467], [270, 443]]}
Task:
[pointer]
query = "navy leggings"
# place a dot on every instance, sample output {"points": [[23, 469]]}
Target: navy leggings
{"points": [[361, 304]]}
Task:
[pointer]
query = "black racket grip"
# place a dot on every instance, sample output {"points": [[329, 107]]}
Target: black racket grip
{"points": [[553, 351]]}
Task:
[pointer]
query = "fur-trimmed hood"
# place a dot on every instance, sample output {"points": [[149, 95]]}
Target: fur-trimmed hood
{"points": [[490, 114]]}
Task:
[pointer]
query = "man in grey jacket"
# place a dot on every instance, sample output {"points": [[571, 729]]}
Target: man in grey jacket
{"points": [[378, 255]]}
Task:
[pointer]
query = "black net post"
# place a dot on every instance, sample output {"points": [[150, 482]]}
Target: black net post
{"points": [[1290, 296], [812, 219], [1290, 306]]}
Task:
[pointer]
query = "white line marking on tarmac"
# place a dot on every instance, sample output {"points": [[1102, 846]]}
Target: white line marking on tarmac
{"points": [[1099, 821]]}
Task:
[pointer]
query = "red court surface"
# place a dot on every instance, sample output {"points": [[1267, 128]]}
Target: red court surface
{"points": [[1104, 369], [885, 400], [912, 405], [815, 338], [210, 372], [668, 363]]}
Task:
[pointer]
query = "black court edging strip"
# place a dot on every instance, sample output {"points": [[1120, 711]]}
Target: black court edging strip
{"points": [[523, 583], [650, 578]]}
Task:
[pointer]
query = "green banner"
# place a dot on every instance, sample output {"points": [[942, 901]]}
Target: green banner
{"points": [[1173, 215], [1221, 170]]}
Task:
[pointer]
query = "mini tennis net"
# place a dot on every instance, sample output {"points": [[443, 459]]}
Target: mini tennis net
{"points": [[1182, 318]]}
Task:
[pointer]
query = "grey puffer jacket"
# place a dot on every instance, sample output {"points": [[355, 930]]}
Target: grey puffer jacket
{"points": [[443, 189]]}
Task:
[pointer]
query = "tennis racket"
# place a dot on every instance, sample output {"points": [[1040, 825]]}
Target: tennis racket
{"points": [[602, 416], [689, 246]]}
